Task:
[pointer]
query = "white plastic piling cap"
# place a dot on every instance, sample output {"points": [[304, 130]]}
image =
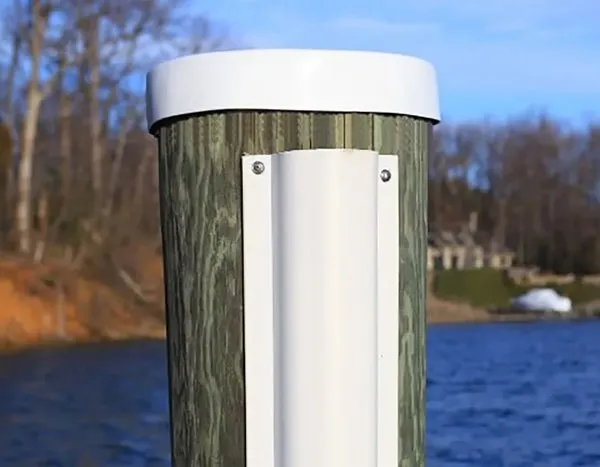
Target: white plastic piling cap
{"points": [[293, 80]]}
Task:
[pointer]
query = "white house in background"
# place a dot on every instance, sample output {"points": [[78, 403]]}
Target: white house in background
{"points": [[466, 249]]}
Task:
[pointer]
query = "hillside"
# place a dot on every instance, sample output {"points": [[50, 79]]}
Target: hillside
{"points": [[44, 305]]}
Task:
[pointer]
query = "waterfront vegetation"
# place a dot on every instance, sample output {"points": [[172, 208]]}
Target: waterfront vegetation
{"points": [[492, 288]]}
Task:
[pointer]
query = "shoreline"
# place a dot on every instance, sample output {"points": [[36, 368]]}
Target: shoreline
{"points": [[520, 318], [14, 347], [8, 348], [49, 307]]}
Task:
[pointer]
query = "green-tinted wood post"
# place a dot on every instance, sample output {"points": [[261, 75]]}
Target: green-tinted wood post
{"points": [[207, 111]]}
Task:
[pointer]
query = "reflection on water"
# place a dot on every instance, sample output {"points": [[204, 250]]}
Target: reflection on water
{"points": [[498, 395]]}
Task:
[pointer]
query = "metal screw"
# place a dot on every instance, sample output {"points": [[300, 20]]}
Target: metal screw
{"points": [[258, 167], [385, 175]]}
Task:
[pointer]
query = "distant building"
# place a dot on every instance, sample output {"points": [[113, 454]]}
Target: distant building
{"points": [[466, 249]]}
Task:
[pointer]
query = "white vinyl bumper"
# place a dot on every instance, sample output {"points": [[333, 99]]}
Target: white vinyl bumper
{"points": [[321, 285]]}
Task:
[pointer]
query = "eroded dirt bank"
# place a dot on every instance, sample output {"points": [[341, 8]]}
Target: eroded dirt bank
{"points": [[43, 304]]}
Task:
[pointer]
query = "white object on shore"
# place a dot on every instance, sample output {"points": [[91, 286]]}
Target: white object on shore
{"points": [[542, 299]]}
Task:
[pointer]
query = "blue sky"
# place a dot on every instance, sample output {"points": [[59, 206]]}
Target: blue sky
{"points": [[493, 58]]}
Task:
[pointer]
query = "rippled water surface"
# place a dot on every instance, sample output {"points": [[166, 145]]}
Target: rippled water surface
{"points": [[498, 395]]}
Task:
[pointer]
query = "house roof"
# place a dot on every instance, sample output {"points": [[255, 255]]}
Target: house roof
{"points": [[440, 238]]}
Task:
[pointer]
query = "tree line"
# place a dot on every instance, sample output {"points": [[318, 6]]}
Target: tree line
{"points": [[533, 180], [78, 176], [78, 173]]}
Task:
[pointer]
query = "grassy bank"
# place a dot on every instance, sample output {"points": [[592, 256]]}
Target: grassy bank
{"points": [[490, 288]]}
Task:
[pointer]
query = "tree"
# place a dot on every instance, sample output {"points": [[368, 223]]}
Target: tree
{"points": [[534, 181], [72, 97]]}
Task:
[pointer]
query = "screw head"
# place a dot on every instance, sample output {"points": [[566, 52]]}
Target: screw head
{"points": [[385, 175], [258, 167]]}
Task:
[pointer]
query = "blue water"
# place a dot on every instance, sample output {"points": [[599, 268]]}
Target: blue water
{"points": [[514, 395], [498, 395]]}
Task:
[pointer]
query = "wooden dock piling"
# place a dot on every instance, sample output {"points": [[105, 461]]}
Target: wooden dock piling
{"points": [[200, 152]]}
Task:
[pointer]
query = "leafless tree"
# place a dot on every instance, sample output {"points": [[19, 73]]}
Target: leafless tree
{"points": [[72, 100], [534, 181]]}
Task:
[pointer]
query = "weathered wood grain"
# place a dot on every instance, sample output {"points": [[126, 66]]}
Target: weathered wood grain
{"points": [[200, 182], [413, 286]]}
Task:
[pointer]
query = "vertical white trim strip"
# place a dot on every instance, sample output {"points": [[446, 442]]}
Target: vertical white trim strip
{"points": [[326, 273], [259, 329], [293, 229], [388, 311]]}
